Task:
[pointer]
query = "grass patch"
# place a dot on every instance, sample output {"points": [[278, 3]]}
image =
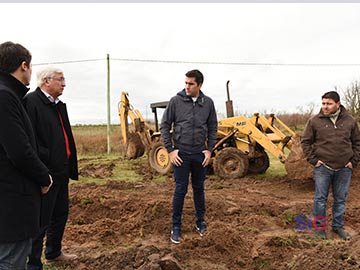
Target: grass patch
{"points": [[287, 217], [100, 169], [261, 263], [57, 267], [275, 169], [128, 170], [289, 241], [160, 179]]}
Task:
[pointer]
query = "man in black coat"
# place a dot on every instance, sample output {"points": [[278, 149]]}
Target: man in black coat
{"points": [[22, 174], [56, 147]]}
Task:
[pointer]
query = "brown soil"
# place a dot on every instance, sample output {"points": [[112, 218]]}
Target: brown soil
{"points": [[134, 148], [296, 165], [251, 225]]}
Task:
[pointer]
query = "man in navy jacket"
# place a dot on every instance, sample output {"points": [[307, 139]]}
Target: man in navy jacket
{"points": [[57, 150], [192, 116], [23, 176]]}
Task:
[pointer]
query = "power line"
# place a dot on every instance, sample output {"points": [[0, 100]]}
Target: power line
{"points": [[68, 62], [205, 62], [228, 63]]}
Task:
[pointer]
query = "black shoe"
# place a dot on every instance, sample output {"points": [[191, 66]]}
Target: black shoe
{"points": [[342, 233], [175, 235], [201, 227], [321, 234]]}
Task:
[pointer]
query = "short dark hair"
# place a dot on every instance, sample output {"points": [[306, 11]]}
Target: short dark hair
{"points": [[332, 95], [199, 77], [12, 55]]}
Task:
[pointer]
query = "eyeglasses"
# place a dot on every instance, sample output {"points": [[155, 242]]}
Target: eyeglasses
{"points": [[61, 79]]}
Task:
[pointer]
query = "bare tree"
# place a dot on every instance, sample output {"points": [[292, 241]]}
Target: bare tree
{"points": [[352, 99], [308, 111]]}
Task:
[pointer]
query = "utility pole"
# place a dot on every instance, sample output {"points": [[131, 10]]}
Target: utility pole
{"points": [[108, 107]]}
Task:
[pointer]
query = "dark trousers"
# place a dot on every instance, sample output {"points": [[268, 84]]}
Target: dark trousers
{"points": [[54, 214], [191, 164], [13, 255]]}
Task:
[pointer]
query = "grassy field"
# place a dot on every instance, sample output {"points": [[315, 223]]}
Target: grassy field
{"points": [[91, 142], [92, 139]]}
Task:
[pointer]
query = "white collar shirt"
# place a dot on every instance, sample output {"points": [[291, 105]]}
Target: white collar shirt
{"points": [[52, 99]]}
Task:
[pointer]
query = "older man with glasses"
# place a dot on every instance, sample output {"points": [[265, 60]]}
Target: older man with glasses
{"points": [[56, 148]]}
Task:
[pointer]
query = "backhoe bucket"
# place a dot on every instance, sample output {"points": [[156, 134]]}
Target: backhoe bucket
{"points": [[296, 166], [134, 147]]}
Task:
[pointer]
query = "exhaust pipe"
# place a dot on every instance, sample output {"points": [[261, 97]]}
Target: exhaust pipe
{"points": [[229, 104]]}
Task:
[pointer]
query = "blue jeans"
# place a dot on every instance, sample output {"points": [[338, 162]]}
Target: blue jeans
{"points": [[340, 182], [191, 164], [13, 255]]}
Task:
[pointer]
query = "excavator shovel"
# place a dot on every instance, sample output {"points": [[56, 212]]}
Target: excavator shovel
{"points": [[296, 165]]}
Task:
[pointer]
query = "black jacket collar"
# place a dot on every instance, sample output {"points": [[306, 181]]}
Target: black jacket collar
{"points": [[14, 84]]}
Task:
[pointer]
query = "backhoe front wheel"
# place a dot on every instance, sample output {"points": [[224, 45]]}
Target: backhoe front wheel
{"points": [[260, 163], [231, 163], [159, 158]]}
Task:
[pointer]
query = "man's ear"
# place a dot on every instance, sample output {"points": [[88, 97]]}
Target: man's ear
{"points": [[24, 66]]}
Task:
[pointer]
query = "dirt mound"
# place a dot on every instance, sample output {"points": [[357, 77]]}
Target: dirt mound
{"points": [[97, 170], [251, 225], [296, 165]]}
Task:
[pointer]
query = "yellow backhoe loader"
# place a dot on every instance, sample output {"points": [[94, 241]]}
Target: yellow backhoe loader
{"points": [[242, 146], [142, 138]]}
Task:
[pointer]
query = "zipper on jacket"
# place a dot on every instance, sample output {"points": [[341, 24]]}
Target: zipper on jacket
{"points": [[194, 104]]}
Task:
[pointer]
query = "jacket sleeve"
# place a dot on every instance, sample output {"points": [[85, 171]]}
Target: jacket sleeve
{"points": [[16, 142], [212, 126], [307, 141], [355, 139], [32, 112], [166, 125]]}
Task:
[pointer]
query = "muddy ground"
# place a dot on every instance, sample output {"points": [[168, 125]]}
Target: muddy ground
{"points": [[251, 225]]}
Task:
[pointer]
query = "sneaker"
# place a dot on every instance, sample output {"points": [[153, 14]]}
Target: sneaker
{"points": [[321, 234], [342, 233], [201, 227], [175, 235]]}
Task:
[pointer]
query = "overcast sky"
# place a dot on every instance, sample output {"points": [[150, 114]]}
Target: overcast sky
{"points": [[238, 37]]}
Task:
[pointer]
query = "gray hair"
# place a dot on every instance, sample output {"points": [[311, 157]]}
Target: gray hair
{"points": [[47, 73]]}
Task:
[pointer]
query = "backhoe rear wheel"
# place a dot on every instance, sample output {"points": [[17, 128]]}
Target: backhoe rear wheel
{"points": [[260, 163], [231, 163], [159, 158]]}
